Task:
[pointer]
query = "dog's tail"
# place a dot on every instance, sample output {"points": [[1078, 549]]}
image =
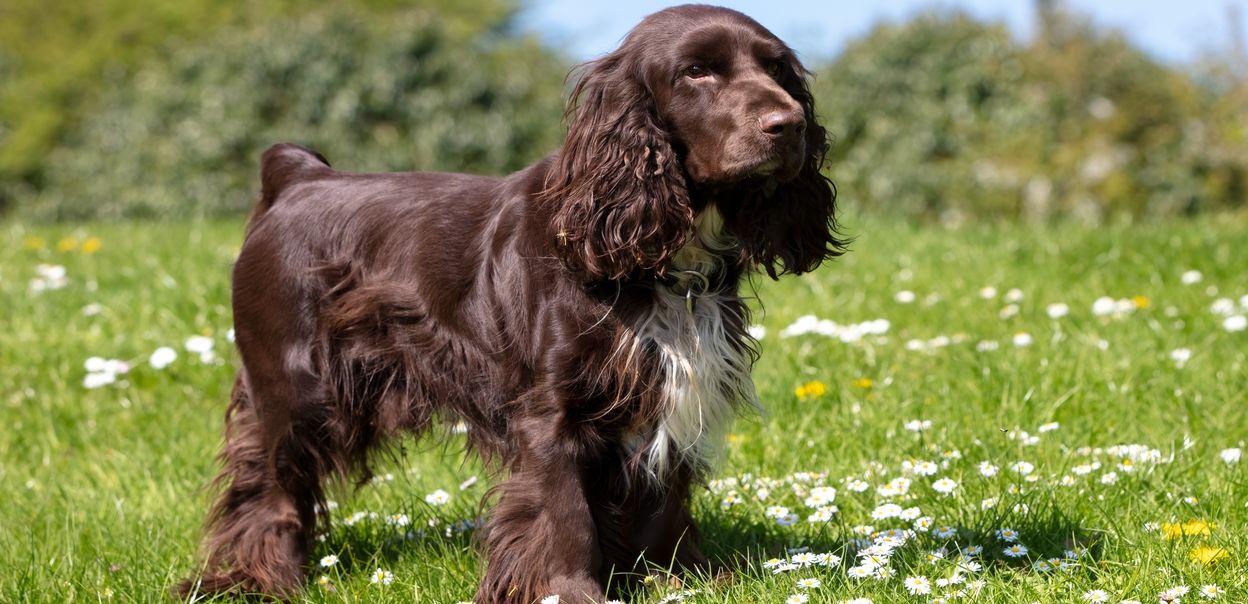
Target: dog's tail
{"points": [[282, 165]]}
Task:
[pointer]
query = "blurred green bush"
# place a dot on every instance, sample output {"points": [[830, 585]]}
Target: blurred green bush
{"points": [[949, 118], [182, 134], [123, 108]]}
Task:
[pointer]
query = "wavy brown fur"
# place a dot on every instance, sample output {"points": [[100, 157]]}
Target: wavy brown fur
{"points": [[368, 305]]}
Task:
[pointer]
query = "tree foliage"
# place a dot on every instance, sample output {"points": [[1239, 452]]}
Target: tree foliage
{"points": [[948, 117], [123, 108], [58, 56], [181, 135]]}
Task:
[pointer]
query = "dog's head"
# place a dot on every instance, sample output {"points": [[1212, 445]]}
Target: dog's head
{"points": [[699, 105]]}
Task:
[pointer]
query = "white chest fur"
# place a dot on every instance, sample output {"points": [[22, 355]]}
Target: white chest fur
{"points": [[705, 370]]}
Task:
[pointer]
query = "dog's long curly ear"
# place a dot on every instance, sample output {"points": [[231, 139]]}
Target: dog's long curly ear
{"points": [[792, 229], [618, 195]]}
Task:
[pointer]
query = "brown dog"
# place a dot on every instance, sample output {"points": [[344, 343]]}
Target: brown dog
{"points": [[581, 316]]}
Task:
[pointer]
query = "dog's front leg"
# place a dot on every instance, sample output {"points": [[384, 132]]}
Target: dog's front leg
{"points": [[541, 537], [667, 533]]}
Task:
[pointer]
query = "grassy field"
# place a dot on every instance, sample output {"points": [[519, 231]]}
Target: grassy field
{"points": [[1046, 413]]}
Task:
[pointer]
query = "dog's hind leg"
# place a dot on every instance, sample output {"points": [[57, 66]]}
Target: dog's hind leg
{"points": [[261, 526]]}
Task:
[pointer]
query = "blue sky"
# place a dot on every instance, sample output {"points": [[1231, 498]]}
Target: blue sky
{"points": [[1175, 31]]}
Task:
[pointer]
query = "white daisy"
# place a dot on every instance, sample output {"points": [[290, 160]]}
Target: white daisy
{"points": [[1017, 550], [162, 357], [1211, 592], [1096, 595], [860, 572], [918, 586], [1023, 467], [1181, 356], [438, 497]]}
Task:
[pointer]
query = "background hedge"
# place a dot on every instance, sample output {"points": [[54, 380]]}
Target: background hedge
{"points": [[118, 109]]}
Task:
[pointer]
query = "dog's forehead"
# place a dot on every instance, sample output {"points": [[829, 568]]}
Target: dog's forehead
{"points": [[713, 40], [696, 26]]}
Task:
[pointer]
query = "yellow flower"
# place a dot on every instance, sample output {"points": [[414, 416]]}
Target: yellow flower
{"points": [[810, 390], [1208, 555], [1187, 529], [863, 382], [91, 245], [1141, 301], [34, 243], [67, 243], [735, 438]]}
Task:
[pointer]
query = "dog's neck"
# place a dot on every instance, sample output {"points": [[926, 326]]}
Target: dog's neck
{"points": [[705, 371], [699, 265]]}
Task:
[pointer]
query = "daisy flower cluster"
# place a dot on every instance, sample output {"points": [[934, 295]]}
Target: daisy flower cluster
{"points": [[888, 513], [1232, 312], [102, 372], [854, 332], [48, 277]]}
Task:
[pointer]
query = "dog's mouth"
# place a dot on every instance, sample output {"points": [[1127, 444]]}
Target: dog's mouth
{"points": [[782, 165], [772, 162], [766, 168], [781, 160]]}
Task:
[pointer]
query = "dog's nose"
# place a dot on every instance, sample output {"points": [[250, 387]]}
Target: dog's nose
{"points": [[780, 124]]}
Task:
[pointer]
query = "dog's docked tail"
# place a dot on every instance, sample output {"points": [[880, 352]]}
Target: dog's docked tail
{"points": [[280, 166]]}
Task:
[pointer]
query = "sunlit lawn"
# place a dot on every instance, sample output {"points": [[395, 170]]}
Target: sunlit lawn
{"points": [[1020, 453]]}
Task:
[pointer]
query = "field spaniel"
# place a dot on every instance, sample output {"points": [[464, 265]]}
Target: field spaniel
{"points": [[582, 317]]}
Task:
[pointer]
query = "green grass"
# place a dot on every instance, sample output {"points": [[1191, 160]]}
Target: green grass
{"points": [[102, 487]]}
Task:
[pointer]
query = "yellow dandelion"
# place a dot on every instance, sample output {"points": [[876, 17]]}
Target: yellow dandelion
{"points": [[810, 390], [863, 382], [67, 243], [1141, 301], [91, 245], [1208, 555], [1187, 529], [34, 243]]}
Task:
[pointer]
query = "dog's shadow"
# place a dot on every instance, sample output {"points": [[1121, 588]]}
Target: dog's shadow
{"points": [[738, 541], [369, 546], [1051, 539]]}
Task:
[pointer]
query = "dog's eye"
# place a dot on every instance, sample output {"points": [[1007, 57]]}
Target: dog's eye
{"points": [[697, 71], [773, 67]]}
